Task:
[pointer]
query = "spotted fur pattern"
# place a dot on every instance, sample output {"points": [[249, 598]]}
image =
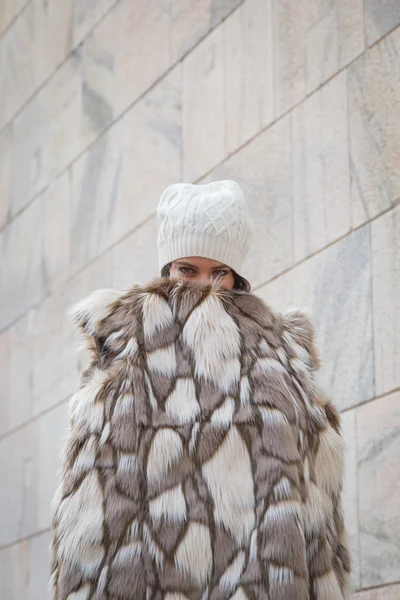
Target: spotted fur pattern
{"points": [[201, 461]]}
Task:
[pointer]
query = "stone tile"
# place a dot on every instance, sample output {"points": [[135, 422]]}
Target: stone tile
{"points": [[9, 9], [378, 450], [52, 40], [6, 140], [263, 169], [25, 156], [39, 570], [34, 46], [221, 9], [390, 592], [142, 48], [135, 259], [289, 45], [19, 71], [386, 294], [321, 178], [14, 572], [321, 42], [349, 497], [374, 89], [380, 17], [19, 405], [203, 107], [21, 265], [4, 378], [97, 72], [56, 201], [18, 471], [86, 14], [249, 72], [49, 133], [56, 362], [350, 24], [117, 183], [52, 433], [341, 313], [190, 21], [312, 41], [63, 120]]}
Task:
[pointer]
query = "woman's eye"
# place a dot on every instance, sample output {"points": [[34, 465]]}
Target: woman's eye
{"points": [[220, 273], [186, 271]]}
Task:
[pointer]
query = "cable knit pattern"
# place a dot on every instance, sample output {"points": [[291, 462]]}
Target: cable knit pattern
{"points": [[208, 220], [202, 463]]}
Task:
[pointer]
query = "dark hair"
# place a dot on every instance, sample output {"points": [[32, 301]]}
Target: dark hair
{"points": [[240, 283]]}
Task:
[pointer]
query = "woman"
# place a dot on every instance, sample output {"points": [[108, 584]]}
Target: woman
{"points": [[202, 462]]}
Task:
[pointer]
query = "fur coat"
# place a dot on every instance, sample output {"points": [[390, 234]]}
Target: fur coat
{"points": [[201, 462]]}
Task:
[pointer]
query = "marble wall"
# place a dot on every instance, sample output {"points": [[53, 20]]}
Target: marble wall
{"points": [[103, 104]]}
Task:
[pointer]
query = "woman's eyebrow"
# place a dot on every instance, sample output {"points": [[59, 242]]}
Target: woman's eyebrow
{"points": [[185, 264]]}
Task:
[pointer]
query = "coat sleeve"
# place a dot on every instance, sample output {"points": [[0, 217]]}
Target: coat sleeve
{"points": [[90, 541], [328, 560]]}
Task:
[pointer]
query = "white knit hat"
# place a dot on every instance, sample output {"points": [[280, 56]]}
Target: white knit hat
{"points": [[209, 220]]}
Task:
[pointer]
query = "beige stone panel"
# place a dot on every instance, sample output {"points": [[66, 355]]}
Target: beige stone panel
{"points": [[14, 572], [321, 177], [313, 39], [321, 41], [56, 226], [249, 71], [289, 43], [25, 155], [190, 21], [117, 183], [9, 9], [386, 295], [39, 570], [380, 17], [6, 140], [204, 107], [33, 47], [378, 451], [263, 169], [52, 433], [97, 75], [22, 278], [390, 592], [350, 24], [86, 14], [221, 9], [52, 39], [18, 472], [374, 106], [18, 70], [135, 259], [56, 361], [4, 378], [19, 397], [349, 496], [142, 48], [335, 287]]}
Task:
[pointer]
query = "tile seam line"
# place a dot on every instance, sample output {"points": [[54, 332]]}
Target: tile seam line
{"points": [[84, 39], [151, 216], [14, 19], [370, 400], [27, 538], [34, 418], [150, 88]]}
